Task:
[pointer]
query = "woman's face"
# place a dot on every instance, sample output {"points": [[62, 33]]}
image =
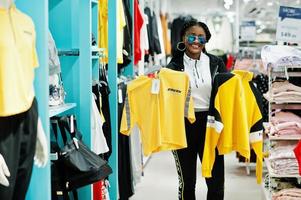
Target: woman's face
{"points": [[193, 45]]}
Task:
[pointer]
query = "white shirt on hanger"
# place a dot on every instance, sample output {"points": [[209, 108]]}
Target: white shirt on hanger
{"points": [[99, 143]]}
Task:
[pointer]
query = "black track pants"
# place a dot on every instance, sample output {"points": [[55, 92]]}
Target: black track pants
{"points": [[186, 161]]}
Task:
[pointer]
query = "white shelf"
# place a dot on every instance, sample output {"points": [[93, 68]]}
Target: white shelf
{"points": [[56, 110], [272, 174], [265, 193]]}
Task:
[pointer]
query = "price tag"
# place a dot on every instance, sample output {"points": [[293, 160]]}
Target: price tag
{"points": [[155, 86], [71, 124], [289, 24], [120, 96]]}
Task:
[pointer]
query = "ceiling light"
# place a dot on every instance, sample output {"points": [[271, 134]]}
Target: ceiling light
{"points": [[270, 3]]}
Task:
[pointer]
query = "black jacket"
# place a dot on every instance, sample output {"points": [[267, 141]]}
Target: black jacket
{"points": [[216, 64]]}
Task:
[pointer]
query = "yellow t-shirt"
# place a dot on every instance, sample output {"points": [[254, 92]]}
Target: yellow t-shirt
{"points": [[103, 29], [18, 58], [160, 117], [120, 26]]}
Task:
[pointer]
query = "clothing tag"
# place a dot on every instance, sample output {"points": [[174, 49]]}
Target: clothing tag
{"points": [[71, 124], [120, 96], [155, 86]]}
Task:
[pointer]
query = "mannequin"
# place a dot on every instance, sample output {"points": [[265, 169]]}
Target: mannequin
{"points": [[22, 138]]}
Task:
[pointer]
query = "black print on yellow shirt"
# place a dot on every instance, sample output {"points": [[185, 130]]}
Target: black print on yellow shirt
{"points": [[174, 90]]}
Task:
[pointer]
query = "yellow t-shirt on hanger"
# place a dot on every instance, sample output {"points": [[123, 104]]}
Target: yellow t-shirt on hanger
{"points": [[103, 29], [18, 59]]}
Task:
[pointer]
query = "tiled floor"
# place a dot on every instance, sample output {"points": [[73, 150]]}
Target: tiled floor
{"points": [[160, 181]]}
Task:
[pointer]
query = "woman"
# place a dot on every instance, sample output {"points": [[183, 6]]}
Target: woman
{"points": [[201, 67]]}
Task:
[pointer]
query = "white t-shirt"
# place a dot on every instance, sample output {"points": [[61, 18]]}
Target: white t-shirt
{"points": [[200, 80]]}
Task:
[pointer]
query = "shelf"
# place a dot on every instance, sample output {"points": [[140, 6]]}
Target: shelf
{"points": [[265, 192], [272, 174], [290, 74], [56, 110], [287, 105], [68, 52], [288, 137]]}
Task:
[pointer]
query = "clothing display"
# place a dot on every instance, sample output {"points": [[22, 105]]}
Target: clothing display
{"points": [[166, 38], [102, 32], [121, 23], [153, 103], [283, 91], [99, 145], [152, 31], [220, 28], [279, 55], [292, 194], [125, 182], [262, 82], [138, 21], [18, 51], [136, 152]]}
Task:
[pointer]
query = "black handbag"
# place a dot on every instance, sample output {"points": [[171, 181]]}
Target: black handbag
{"points": [[77, 165]]}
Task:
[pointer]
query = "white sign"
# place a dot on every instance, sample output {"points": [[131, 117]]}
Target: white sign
{"points": [[289, 24], [248, 31]]}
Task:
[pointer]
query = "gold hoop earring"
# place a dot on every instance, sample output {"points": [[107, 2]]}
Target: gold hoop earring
{"points": [[181, 46]]}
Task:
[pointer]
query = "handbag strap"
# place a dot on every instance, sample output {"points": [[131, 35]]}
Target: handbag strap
{"points": [[54, 124], [64, 125]]}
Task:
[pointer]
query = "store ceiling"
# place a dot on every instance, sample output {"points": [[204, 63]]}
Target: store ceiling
{"points": [[264, 12]]}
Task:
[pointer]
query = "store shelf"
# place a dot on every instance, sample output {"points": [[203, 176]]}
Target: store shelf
{"points": [[287, 137], [283, 74], [68, 52], [265, 193], [56, 110], [287, 105], [274, 175]]}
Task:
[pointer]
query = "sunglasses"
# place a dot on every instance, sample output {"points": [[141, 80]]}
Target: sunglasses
{"points": [[191, 39]]}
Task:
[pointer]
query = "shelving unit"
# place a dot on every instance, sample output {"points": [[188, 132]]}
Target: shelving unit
{"points": [[281, 72], [265, 193], [72, 23]]}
